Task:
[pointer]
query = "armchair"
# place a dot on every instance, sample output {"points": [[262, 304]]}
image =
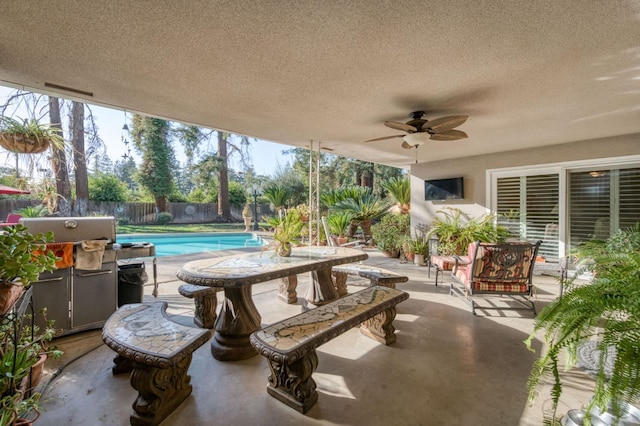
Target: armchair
{"points": [[504, 269]]}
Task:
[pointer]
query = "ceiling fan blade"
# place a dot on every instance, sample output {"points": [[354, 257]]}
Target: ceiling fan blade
{"points": [[442, 124], [383, 138], [406, 145], [400, 126], [450, 135]]}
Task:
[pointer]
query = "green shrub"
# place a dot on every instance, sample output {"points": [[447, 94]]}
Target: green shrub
{"points": [[123, 221], [164, 218], [391, 231]]}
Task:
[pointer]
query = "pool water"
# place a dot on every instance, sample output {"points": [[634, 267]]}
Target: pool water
{"points": [[175, 244]]}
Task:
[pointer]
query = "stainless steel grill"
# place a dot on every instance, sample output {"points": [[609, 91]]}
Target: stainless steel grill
{"points": [[77, 299]]}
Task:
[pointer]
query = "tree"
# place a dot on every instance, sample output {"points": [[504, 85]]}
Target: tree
{"points": [[59, 163], [79, 160], [151, 137], [105, 187]]}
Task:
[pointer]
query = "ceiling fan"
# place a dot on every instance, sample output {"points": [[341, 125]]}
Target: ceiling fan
{"points": [[439, 129]]}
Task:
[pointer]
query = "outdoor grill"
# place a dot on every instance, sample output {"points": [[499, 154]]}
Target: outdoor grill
{"points": [[77, 299]]}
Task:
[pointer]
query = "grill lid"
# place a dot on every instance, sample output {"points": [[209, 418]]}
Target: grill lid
{"points": [[70, 229]]}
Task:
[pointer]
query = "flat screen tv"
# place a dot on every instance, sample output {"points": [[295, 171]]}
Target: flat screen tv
{"points": [[443, 189]]}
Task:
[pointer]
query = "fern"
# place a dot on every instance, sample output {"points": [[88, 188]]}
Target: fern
{"points": [[607, 310]]}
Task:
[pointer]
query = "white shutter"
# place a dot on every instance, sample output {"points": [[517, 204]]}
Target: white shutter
{"points": [[534, 199]]}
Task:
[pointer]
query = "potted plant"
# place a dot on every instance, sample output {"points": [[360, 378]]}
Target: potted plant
{"points": [[27, 136], [23, 258], [287, 232], [455, 232], [390, 232], [605, 311], [408, 249], [421, 249], [338, 224], [23, 352], [247, 215]]}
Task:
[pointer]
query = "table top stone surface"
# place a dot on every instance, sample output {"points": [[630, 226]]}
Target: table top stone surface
{"points": [[251, 268], [295, 331], [137, 325]]}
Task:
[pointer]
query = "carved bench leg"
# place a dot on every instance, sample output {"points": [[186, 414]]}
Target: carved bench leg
{"points": [[160, 391], [287, 289], [121, 365], [292, 384], [380, 327], [340, 282], [204, 315]]}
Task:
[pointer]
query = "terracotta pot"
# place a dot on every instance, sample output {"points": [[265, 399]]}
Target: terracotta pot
{"points": [[9, 294], [18, 143], [410, 256], [32, 380], [392, 253], [338, 241]]}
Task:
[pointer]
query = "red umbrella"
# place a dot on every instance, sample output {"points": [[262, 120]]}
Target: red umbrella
{"points": [[13, 191]]}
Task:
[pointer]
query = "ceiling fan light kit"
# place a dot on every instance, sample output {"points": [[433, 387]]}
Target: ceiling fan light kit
{"points": [[419, 130]]}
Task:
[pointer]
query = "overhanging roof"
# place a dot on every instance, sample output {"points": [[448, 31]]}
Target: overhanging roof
{"points": [[528, 73]]}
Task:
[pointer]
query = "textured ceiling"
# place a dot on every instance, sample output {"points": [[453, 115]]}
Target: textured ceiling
{"points": [[528, 73]]}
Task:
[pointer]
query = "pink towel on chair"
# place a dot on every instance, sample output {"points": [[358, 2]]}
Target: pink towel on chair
{"points": [[89, 254]]}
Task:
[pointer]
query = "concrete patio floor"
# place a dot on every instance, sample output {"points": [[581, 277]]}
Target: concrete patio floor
{"points": [[446, 368]]}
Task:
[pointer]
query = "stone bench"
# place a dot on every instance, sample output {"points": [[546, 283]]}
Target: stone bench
{"points": [[205, 301], [290, 345], [157, 352], [376, 276]]}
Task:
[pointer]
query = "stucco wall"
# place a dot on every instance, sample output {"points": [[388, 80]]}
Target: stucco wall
{"points": [[473, 170]]}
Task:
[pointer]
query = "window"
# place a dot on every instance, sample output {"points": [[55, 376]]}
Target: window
{"points": [[566, 204], [601, 202], [528, 206]]}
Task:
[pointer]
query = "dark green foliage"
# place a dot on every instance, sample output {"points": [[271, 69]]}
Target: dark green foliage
{"points": [[391, 231], [606, 310], [104, 187], [279, 196], [152, 138], [164, 218]]}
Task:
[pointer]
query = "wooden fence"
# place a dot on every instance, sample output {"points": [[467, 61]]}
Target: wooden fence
{"points": [[141, 213]]}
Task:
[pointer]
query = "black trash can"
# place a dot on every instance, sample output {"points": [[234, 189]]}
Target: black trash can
{"points": [[131, 279]]}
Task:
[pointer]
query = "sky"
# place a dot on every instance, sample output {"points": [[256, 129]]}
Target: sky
{"points": [[266, 156]]}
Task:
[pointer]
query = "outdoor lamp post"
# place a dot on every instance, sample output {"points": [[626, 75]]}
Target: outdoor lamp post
{"points": [[256, 190]]}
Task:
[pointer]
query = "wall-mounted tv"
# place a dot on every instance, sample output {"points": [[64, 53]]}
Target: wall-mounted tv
{"points": [[443, 189]]}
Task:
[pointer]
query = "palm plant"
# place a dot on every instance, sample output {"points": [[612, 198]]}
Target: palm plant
{"points": [[338, 223], [277, 195], [606, 310], [363, 209], [400, 190]]}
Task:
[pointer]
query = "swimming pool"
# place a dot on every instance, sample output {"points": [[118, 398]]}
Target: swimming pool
{"points": [[174, 244]]}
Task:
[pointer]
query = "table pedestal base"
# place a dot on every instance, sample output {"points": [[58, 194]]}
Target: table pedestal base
{"points": [[231, 348], [321, 289], [238, 318], [287, 289]]}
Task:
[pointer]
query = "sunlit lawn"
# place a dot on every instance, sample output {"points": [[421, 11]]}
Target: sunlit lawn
{"points": [[201, 227]]}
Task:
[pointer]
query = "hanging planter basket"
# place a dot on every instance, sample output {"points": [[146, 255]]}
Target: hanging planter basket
{"points": [[23, 144]]}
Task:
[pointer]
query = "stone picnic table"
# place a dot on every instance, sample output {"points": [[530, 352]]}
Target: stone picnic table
{"points": [[236, 274]]}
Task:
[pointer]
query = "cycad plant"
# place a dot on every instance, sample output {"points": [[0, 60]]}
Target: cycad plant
{"points": [[605, 310], [399, 188]]}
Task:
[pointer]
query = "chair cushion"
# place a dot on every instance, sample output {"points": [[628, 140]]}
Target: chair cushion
{"points": [[444, 263]]}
